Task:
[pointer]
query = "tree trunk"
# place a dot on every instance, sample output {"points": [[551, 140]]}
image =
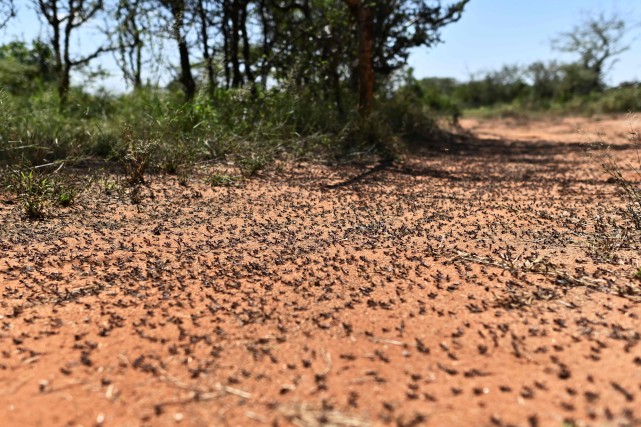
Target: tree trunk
{"points": [[57, 51], [336, 86], [186, 77], [211, 76], [137, 51], [246, 44], [366, 78], [64, 82], [226, 40], [366, 60], [266, 45], [130, 42], [138, 70], [235, 44]]}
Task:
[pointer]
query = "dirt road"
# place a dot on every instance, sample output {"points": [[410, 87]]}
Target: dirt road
{"points": [[487, 282]]}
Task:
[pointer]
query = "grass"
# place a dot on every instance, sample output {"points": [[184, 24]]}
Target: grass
{"points": [[34, 192], [630, 190], [38, 193], [223, 180], [252, 164], [610, 101], [609, 236], [136, 161], [154, 131]]}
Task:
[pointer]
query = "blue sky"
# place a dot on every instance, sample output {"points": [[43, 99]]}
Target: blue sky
{"points": [[491, 33], [496, 32]]}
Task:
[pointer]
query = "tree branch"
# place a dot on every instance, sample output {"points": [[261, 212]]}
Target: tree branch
{"points": [[85, 60]]}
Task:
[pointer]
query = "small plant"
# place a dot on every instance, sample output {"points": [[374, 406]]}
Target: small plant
{"points": [[110, 186], [184, 175], [66, 198], [66, 189], [223, 180], [34, 192], [38, 192], [637, 275], [250, 166], [630, 189], [632, 193], [137, 158], [136, 161]]}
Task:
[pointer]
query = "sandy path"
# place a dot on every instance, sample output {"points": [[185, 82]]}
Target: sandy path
{"points": [[466, 286]]}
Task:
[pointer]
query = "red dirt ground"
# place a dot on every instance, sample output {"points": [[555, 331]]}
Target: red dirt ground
{"points": [[485, 282]]}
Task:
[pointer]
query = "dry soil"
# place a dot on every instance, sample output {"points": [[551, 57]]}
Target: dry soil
{"points": [[486, 281]]}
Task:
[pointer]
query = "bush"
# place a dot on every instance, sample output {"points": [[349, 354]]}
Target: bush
{"points": [[553, 86], [250, 127], [621, 99], [38, 192]]}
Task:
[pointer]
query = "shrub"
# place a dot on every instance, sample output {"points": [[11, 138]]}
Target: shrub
{"points": [[33, 191], [38, 192]]}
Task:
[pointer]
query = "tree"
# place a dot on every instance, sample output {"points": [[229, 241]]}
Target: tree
{"points": [[597, 40], [7, 11], [64, 18], [544, 79], [576, 80], [236, 46], [387, 30], [364, 16], [131, 33], [178, 13], [203, 12], [25, 69]]}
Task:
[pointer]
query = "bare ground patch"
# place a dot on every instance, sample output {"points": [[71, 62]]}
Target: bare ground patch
{"points": [[469, 285]]}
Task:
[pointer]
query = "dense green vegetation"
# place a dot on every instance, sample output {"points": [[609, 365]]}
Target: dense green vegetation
{"points": [[562, 88], [252, 80], [256, 80], [539, 87], [233, 123]]}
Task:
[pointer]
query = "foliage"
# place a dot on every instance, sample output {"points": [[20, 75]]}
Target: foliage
{"points": [[437, 95], [222, 180], [153, 130], [286, 84], [596, 41], [624, 98], [576, 87], [25, 69], [494, 87], [64, 19], [250, 165], [553, 86], [38, 192], [629, 188], [33, 192], [402, 25]]}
